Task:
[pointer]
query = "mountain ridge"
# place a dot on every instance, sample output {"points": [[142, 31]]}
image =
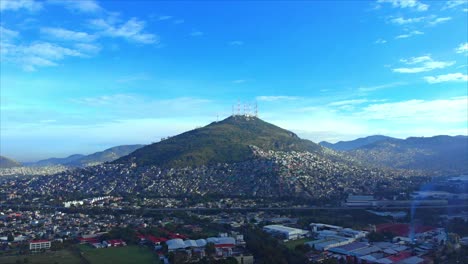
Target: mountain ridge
{"points": [[8, 163], [353, 144], [438, 154], [80, 160]]}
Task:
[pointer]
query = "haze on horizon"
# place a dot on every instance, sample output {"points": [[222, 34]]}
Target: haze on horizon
{"points": [[82, 76]]}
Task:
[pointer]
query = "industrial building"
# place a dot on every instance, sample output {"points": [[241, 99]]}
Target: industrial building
{"points": [[327, 243], [285, 232], [360, 200]]}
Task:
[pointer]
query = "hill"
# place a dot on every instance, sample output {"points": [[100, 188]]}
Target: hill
{"points": [[353, 144], [8, 163], [56, 161], [438, 154], [79, 160], [107, 155], [239, 156], [227, 141]]}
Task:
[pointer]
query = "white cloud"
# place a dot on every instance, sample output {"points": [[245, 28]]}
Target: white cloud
{"points": [[431, 20], [37, 54], [83, 6], [451, 77], [416, 60], [196, 34], [271, 98], [455, 3], [414, 4], [131, 30], [439, 20], [462, 48], [379, 87], [14, 5], [424, 64], [404, 21], [239, 81], [380, 41], [68, 35], [134, 77], [179, 21], [348, 102], [440, 111], [7, 35], [164, 17], [410, 34], [236, 43], [86, 48]]}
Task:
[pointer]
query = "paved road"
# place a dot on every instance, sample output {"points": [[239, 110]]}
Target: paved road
{"points": [[237, 209]]}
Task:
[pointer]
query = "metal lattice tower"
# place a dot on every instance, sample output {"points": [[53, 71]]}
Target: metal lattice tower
{"points": [[256, 109]]}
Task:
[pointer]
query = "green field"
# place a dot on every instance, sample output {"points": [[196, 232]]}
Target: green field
{"points": [[293, 243], [59, 257], [119, 255]]}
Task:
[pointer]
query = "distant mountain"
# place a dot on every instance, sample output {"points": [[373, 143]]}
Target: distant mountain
{"points": [[107, 155], [8, 163], [227, 141], [438, 154], [79, 160], [56, 161], [353, 144]]}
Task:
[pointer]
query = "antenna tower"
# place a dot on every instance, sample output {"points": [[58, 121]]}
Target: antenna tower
{"points": [[256, 109]]}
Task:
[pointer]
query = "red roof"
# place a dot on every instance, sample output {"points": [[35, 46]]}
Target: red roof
{"points": [[156, 239], [400, 256], [40, 241], [174, 236], [224, 245], [402, 229], [91, 240], [115, 241]]}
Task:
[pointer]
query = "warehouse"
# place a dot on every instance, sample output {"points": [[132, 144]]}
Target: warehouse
{"points": [[285, 232], [327, 243]]}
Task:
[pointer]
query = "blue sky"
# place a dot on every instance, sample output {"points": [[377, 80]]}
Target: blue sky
{"points": [[81, 76]]}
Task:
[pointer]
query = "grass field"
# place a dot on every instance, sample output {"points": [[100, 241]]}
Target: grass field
{"points": [[293, 243], [59, 257], [119, 255]]}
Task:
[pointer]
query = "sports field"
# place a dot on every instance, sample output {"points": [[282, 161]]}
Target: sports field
{"points": [[119, 255]]}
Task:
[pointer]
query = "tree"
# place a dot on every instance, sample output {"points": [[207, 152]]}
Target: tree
{"points": [[210, 249]]}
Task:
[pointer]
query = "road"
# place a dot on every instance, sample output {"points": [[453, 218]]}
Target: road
{"points": [[22, 206]]}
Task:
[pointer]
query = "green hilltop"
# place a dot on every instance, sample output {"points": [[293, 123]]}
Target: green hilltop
{"points": [[226, 141]]}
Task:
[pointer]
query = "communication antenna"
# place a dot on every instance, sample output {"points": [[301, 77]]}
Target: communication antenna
{"points": [[256, 109], [217, 117], [238, 107], [232, 110]]}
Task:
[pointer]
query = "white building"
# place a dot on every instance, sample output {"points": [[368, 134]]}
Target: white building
{"points": [[285, 231], [325, 231], [37, 245], [360, 200], [327, 243]]}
